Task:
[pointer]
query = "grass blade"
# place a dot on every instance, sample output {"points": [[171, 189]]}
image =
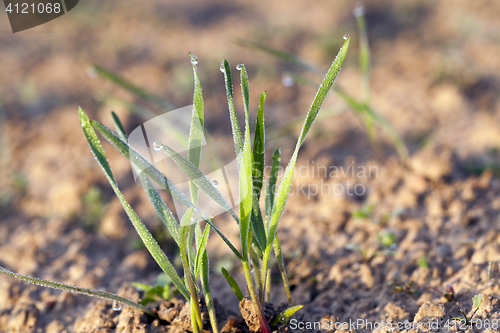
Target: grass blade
{"points": [[245, 170], [202, 269], [364, 51], [198, 177], [258, 163], [205, 285], [195, 323], [196, 129], [322, 93], [282, 268], [238, 139], [259, 237], [129, 86], [201, 250], [160, 206], [256, 263], [190, 249], [131, 107], [258, 153], [273, 177], [139, 226], [188, 274], [78, 290], [232, 283], [194, 156], [224, 238], [119, 126], [398, 143], [208, 295], [285, 315], [363, 109], [280, 54], [141, 163], [286, 180]]}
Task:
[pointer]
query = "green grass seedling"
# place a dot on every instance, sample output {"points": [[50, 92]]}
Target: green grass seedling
{"points": [[468, 320]]}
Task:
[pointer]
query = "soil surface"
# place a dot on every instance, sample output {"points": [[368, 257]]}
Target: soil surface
{"points": [[368, 241]]}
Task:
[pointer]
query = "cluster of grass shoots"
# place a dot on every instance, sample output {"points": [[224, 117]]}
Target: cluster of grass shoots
{"points": [[257, 227]]}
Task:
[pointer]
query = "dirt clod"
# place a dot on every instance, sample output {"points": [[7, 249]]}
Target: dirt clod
{"points": [[429, 311], [250, 316]]}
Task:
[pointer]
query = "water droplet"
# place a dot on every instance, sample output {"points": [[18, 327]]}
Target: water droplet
{"points": [[283, 319], [211, 217], [251, 272], [215, 183], [287, 81], [91, 72], [222, 67], [194, 59], [117, 306], [359, 10], [239, 66], [346, 37], [156, 146]]}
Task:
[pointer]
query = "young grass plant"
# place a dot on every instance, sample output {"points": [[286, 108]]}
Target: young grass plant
{"points": [[161, 290], [257, 228], [468, 320], [257, 240]]}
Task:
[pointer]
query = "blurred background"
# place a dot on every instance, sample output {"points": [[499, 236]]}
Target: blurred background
{"points": [[435, 76]]}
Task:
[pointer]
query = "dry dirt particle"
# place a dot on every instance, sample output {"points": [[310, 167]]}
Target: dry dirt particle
{"points": [[97, 319], [24, 315], [168, 311], [430, 314], [55, 327], [395, 312], [250, 316]]}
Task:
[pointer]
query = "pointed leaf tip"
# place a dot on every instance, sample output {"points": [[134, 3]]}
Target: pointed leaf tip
{"points": [[285, 315], [84, 119]]}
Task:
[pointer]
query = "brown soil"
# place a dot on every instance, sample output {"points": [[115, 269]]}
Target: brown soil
{"points": [[435, 75]]}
